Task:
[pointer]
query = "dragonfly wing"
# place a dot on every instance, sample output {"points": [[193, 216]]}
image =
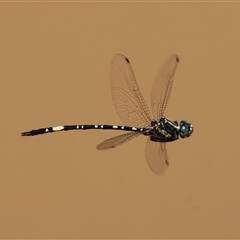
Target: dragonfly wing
{"points": [[116, 141], [127, 98], [162, 86], [156, 156]]}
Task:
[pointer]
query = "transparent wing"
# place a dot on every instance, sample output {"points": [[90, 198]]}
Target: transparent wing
{"points": [[162, 86], [156, 156], [127, 98], [116, 141]]}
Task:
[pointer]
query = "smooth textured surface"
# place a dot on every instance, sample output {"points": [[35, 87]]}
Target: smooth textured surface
{"points": [[54, 69]]}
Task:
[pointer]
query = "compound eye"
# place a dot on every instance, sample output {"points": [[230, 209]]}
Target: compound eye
{"points": [[185, 129]]}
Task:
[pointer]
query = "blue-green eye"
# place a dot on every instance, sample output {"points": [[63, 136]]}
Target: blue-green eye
{"points": [[185, 129]]}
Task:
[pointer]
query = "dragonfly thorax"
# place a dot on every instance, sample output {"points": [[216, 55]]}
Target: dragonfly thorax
{"points": [[165, 130]]}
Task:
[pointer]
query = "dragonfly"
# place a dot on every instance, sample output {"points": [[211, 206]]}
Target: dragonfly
{"points": [[134, 113]]}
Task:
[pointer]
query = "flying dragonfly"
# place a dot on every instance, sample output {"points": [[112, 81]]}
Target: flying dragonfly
{"points": [[133, 111]]}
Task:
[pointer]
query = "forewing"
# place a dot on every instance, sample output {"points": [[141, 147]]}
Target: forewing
{"points": [[162, 86], [128, 100], [156, 156], [116, 141]]}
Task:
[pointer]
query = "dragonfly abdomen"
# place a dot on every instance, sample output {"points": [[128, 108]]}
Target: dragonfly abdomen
{"points": [[79, 127]]}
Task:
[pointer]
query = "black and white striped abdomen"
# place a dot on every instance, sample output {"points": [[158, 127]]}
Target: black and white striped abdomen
{"points": [[79, 127]]}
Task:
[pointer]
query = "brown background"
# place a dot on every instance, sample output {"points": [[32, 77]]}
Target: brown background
{"points": [[55, 70]]}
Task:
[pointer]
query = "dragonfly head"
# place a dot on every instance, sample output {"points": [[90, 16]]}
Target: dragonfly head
{"points": [[186, 129]]}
